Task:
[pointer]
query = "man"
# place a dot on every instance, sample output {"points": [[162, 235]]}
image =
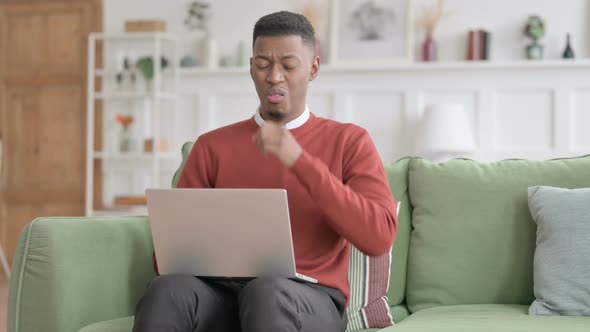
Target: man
{"points": [[338, 195]]}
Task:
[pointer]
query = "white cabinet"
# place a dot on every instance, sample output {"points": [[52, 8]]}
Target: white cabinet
{"points": [[124, 160]]}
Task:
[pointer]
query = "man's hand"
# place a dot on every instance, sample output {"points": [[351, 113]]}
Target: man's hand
{"points": [[277, 140]]}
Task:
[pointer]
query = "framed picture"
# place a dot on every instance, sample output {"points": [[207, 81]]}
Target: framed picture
{"points": [[371, 32]]}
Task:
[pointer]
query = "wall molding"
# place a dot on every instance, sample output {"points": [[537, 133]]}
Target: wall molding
{"points": [[486, 89]]}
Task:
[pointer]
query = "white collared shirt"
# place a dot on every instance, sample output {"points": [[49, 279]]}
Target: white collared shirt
{"points": [[296, 123]]}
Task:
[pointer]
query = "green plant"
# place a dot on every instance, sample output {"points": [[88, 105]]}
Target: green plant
{"points": [[146, 66], [432, 16], [198, 15], [535, 28]]}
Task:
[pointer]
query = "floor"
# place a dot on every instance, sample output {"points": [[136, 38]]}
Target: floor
{"points": [[3, 303]]}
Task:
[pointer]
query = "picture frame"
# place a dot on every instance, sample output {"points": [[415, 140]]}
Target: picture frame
{"points": [[371, 32]]}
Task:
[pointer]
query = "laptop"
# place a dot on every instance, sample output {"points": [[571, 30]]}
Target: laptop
{"points": [[222, 233]]}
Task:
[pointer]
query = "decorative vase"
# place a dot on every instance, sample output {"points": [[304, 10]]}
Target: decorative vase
{"points": [[429, 48], [568, 53], [211, 51], [534, 51], [149, 86], [126, 143]]}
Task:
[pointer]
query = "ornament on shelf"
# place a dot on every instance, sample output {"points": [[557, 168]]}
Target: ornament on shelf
{"points": [[126, 141], [146, 66], [189, 61], [534, 29], [568, 53], [241, 56], [211, 52], [126, 77], [429, 21], [198, 18], [478, 45], [198, 15]]}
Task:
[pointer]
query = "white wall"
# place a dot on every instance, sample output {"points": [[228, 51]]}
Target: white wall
{"points": [[233, 21], [534, 110]]}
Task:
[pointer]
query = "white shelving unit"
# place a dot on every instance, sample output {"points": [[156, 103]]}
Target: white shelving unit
{"points": [[149, 107]]}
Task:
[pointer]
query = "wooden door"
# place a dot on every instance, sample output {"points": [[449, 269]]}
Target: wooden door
{"points": [[43, 70]]}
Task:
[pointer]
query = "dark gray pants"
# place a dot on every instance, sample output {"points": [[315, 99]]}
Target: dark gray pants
{"points": [[176, 303]]}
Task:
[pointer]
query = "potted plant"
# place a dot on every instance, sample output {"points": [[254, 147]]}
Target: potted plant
{"points": [[146, 66], [198, 18], [198, 15], [126, 143], [534, 29]]}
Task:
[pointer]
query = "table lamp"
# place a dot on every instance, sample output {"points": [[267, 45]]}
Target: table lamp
{"points": [[445, 132]]}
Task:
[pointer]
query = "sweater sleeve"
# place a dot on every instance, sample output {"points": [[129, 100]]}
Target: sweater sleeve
{"points": [[195, 174], [360, 207]]}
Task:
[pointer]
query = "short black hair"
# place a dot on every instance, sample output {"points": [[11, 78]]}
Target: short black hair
{"points": [[285, 23]]}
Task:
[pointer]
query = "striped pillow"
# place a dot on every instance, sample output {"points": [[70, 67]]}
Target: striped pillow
{"points": [[369, 283]]}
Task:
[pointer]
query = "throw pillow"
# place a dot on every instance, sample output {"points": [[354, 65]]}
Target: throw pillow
{"points": [[562, 254], [369, 283]]}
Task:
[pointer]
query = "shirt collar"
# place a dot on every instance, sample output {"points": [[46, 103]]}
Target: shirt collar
{"points": [[296, 123]]}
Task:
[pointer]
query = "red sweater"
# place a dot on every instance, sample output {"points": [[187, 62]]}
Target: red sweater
{"points": [[337, 190]]}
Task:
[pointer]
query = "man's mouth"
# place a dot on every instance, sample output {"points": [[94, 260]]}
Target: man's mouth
{"points": [[275, 96]]}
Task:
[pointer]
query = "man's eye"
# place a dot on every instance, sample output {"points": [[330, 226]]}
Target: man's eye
{"points": [[262, 64], [290, 65]]}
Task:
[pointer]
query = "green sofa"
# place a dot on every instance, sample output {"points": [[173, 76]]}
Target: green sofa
{"points": [[463, 259]]}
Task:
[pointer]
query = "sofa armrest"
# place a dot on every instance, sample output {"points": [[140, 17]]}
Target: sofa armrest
{"points": [[71, 272]]}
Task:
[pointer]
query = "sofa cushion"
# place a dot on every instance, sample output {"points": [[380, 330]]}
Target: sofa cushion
{"points": [[473, 238], [562, 255], [487, 318], [124, 324]]}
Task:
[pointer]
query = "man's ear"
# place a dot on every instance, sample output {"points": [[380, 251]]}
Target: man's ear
{"points": [[315, 68]]}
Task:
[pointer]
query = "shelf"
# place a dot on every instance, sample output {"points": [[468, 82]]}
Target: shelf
{"points": [[136, 156], [409, 66], [134, 36], [135, 95], [119, 97], [463, 65], [100, 72]]}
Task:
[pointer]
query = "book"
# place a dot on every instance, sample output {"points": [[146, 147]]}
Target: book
{"points": [[472, 46], [478, 45], [484, 41]]}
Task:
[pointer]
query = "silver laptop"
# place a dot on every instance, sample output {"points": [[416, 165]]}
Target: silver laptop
{"points": [[226, 233]]}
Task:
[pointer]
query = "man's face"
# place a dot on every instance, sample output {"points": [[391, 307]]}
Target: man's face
{"points": [[281, 69]]}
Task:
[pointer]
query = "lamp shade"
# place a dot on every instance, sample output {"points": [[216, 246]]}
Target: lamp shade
{"points": [[446, 128]]}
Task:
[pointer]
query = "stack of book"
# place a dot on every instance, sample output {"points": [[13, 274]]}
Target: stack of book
{"points": [[478, 45]]}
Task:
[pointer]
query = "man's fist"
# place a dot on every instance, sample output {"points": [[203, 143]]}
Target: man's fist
{"points": [[277, 140]]}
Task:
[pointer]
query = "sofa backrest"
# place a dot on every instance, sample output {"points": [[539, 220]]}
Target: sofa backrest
{"points": [[473, 237], [185, 150]]}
